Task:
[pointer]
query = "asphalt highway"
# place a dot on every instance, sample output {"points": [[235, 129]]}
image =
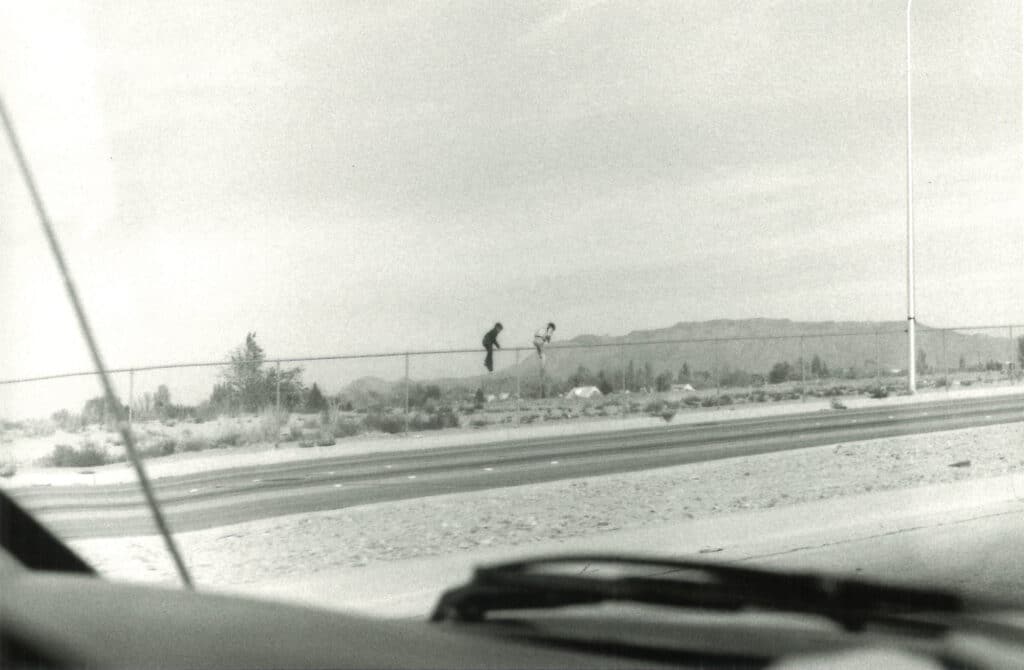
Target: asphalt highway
{"points": [[212, 499]]}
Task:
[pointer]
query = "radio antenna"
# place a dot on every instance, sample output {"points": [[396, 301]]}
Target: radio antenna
{"points": [[83, 323]]}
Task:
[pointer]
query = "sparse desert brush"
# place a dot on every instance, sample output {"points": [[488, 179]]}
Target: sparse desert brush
{"points": [[654, 407], [668, 415], [88, 454], [385, 423], [229, 438], [39, 428], [342, 427], [165, 446], [195, 444], [480, 423], [878, 392], [444, 418], [8, 467], [837, 404]]}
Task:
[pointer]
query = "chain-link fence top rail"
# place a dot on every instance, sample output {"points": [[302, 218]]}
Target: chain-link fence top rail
{"points": [[967, 331]]}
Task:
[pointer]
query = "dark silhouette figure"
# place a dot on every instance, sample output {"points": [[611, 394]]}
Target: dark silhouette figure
{"points": [[490, 343]]}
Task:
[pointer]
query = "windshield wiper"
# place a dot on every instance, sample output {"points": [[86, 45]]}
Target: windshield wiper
{"points": [[546, 583]]}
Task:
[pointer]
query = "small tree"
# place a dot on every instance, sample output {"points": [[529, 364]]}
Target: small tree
{"points": [[162, 400], [780, 372], [922, 361], [663, 382], [684, 374], [1020, 352], [244, 376], [316, 401]]}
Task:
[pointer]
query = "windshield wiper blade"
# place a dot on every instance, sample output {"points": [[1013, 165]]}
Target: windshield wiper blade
{"points": [[545, 583]]}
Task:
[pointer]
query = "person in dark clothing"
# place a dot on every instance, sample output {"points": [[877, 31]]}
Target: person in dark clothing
{"points": [[490, 343]]}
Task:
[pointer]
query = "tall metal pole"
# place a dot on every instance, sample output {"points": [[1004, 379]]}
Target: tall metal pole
{"points": [[911, 347]]}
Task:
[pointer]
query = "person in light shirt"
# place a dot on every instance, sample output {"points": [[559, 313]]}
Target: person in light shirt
{"points": [[541, 338]]}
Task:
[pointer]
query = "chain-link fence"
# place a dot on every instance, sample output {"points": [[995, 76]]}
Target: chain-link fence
{"points": [[319, 400]]}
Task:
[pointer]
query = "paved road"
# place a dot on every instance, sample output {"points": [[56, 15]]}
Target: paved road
{"points": [[214, 499]]}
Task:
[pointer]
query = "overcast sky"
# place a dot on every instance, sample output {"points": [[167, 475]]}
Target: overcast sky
{"points": [[355, 176]]}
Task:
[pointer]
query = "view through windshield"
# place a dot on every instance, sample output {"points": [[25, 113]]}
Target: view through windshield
{"points": [[390, 290]]}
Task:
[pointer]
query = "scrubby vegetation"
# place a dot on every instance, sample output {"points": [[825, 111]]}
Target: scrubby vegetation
{"points": [[87, 454]]}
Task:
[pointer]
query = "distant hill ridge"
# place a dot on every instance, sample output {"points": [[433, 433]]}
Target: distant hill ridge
{"points": [[754, 345]]}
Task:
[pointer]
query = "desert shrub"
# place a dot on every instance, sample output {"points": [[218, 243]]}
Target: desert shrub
{"points": [[164, 446], [668, 415], [325, 439], [479, 423], [833, 391], [692, 401], [878, 391], [654, 407], [194, 444], [309, 424], [758, 396], [39, 428], [837, 404], [88, 454], [8, 467], [306, 444], [342, 427], [443, 418], [724, 399], [708, 401], [941, 382], [385, 423], [295, 432], [229, 438]]}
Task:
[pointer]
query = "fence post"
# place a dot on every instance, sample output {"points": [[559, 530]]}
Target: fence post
{"points": [[277, 408], [622, 366], [1009, 364], [878, 359], [131, 396], [803, 370], [517, 386], [945, 361], [406, 394], [718, 371]]}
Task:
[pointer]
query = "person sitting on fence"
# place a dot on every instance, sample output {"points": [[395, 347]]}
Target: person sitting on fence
{"points": [[490, 343], [541, 338]]}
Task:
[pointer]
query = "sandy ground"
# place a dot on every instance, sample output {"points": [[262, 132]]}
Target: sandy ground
{"points": [[25, 452], [300, 545]]}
